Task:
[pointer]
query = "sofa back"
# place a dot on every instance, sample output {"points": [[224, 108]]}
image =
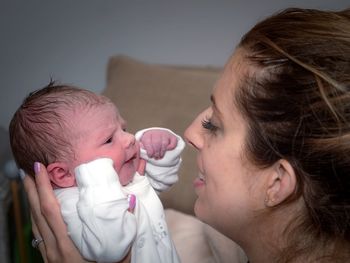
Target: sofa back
{"points": [[149, 95]]}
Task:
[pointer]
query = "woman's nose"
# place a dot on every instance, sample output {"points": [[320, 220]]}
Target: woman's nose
{"points": [[128, 139], [193, 134]]}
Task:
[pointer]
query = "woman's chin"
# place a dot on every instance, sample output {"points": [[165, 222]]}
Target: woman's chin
{"points": [[198, 209]]}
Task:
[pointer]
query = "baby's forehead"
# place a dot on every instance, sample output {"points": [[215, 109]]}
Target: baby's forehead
{"points": [[100, 110], [116, 111], [114, 108], [97, 117]]}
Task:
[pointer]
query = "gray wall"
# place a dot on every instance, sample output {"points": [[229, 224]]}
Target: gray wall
{"points": [[71, 41]]}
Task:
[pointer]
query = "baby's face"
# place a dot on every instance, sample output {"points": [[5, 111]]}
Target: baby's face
{"points": [[101, 132]]}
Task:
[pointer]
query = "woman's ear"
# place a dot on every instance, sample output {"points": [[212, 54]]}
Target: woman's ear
{"points": [[282, 183], [60, 174]]}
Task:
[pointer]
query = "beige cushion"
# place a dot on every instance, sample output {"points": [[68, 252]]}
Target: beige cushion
{"points": [[166, 96]]}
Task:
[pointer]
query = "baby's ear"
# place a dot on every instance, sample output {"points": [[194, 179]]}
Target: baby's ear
{"points": [[60, 174]]}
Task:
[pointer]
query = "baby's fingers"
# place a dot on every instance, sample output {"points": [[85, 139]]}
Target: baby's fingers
{"points": [[147, 145], [172, 142], [163, 147]]}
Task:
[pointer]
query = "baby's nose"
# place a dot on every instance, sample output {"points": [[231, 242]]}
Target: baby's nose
{"points": [[128, 139]]}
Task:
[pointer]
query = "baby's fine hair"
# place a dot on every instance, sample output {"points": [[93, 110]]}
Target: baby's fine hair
{"points": [[39, 131]]}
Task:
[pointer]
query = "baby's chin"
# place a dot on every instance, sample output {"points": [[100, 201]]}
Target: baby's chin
{"points": [[126, 174], [127, 171], [125, 180]]}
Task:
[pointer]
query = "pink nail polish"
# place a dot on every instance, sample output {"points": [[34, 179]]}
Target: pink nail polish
{"points": [[36, 167], [132, 201]]}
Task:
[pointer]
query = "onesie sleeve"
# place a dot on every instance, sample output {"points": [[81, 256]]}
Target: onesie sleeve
{"points": [[163, 173], [107, 228]]}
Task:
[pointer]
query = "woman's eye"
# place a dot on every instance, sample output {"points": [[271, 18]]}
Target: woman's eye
{"points": [[208, 125], [108, 141]]}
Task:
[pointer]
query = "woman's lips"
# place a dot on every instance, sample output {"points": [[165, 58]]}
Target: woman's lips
{"points": [[199, 181]]}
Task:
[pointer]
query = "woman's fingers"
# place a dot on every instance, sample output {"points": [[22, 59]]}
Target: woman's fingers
{"points": [[62, 249], [37, 234], [50, 207], [40, 227], [47, 222]]}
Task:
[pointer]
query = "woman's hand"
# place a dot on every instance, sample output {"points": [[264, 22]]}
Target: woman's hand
{"points": [[47, 222]]}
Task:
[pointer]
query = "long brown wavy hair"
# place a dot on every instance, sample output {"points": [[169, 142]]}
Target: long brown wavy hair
{"points": [[296, 99]]}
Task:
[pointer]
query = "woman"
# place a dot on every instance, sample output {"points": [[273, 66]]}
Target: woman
{"points": [[273, 151]]}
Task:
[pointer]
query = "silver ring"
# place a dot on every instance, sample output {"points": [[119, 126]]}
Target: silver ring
{"points": [[36, 242]]}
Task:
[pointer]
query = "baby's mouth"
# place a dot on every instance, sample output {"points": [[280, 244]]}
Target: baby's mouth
{"points": [[131, 159]]}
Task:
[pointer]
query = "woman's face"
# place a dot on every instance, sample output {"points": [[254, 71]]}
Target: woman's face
{"points": [[227, 185]]}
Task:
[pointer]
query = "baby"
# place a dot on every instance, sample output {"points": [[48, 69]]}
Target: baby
{"points": [[105, 178]]}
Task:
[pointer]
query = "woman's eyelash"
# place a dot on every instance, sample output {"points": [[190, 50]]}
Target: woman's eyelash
{"points": [[208, 125]]}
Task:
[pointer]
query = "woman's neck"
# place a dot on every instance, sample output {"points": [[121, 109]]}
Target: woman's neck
{"points": [[269, 235], [277, 236]]}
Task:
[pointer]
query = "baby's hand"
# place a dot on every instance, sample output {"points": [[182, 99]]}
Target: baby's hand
{"points": [[157, 142]]}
